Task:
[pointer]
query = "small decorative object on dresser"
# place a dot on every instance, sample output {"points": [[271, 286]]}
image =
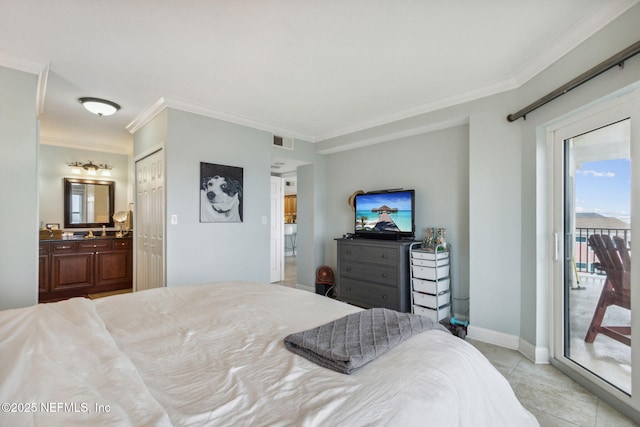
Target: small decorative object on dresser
{"points": [[374, 273]]}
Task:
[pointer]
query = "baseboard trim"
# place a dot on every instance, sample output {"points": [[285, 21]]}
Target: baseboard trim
{"points": [[538, 355]]}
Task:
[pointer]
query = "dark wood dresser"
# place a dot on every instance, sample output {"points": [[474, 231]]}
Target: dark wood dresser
{"points": [[374, 273], [79, 267]]}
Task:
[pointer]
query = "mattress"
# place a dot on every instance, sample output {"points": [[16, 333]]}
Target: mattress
{"points": [[213, 354]]}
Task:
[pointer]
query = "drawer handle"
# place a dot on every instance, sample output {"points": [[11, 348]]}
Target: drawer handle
{"points": [[384, 297], [384, 275], [349, 288], [64, 247], [384, 255]]}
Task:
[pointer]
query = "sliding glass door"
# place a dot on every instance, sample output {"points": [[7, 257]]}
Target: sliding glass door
{"points": [[593, 291], [597, 225]]}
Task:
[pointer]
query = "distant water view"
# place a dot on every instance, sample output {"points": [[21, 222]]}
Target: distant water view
{"points": [[402, 218]]}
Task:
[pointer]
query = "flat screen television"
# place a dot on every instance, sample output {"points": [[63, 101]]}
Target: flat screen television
{"points": [[385, 214]]}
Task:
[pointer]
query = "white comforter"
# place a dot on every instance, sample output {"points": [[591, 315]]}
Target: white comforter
{"points": [[213, 355]]}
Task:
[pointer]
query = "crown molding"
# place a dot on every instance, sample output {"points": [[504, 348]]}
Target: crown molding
{"points": [[40, 69], [461, 98], [600, 16], [43, 78], [459, 121], [569, 40], [146, 115], [188, 107], [83, 145]]}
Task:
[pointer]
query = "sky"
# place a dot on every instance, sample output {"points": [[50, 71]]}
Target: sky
{"points": [[604, 187], [402, 201]]}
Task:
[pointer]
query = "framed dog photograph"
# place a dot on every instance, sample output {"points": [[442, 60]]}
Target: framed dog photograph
{"points": [[220, 193]]}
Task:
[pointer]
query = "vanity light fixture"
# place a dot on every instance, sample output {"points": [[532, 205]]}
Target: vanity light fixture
{"points": [[98, 106], [91, 168]]}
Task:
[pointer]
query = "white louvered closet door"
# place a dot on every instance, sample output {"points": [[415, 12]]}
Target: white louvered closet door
{"points": [[149, 230]]}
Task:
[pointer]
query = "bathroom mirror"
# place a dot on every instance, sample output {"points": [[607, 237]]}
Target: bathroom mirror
{"points": [[88, 203]]}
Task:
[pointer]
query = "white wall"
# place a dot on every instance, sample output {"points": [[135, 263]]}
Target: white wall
{"points": [[435, 164], [19, 189], [53, 169]]}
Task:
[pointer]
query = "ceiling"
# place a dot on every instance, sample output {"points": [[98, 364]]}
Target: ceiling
{"points": [[306, 69]]}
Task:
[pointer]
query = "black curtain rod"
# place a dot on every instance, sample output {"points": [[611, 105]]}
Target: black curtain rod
{"points": [[617, 59]]}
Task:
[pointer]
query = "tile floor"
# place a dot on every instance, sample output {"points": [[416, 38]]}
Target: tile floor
{"points": [[555, 399], [605, 357]]}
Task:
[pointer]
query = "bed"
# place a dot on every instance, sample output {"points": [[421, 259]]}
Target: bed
{"points": [[213, 354]]}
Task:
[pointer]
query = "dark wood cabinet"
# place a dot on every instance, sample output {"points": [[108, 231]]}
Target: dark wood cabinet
{"points": [[43, 269], [374, 273], [71, 268]]}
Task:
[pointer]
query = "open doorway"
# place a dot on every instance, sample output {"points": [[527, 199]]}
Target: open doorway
{"points": [[286, 169]]}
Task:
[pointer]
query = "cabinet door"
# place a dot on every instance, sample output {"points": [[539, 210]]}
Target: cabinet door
{"points": [[43, 268], [71, 271], [114, 267]]}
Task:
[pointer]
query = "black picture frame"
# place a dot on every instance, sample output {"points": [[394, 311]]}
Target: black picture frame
{"points": [[221, 193]]}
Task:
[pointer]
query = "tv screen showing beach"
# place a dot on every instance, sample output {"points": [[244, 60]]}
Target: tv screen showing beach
{"points": [[384, 212]]}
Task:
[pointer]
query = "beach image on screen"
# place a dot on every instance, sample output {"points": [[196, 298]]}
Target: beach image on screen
{"points": [[384, 212]]}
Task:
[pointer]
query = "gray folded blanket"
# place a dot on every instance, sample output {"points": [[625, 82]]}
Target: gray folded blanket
{"points": [[348, 343]]}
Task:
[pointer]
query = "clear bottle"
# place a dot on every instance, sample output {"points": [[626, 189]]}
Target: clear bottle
{"points": [[441, 243], [427, 243]]}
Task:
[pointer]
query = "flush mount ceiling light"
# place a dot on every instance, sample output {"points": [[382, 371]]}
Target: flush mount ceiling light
{"points": [[98, 106]]}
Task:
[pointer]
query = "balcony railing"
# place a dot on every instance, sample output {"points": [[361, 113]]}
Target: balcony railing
{"points": [[583, 255]]}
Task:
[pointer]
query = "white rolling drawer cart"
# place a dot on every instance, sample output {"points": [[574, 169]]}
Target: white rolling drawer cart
{"points": [[430, 282]]}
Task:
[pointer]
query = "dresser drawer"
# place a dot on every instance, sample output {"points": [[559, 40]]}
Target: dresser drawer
{"points": [[435, 315], [122, 243], [368, 294], [387, 276], [372, 254], [63, 247], [429, 273], [429, 255], [429, 262], [430, 286], [94, 246], [431, 301]]}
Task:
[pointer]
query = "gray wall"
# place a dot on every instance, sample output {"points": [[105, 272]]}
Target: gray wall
{"points": [[19, 185], [203, 252], [53, 169], [508, 277], [615, 37], [435, 164], [233, 251]]}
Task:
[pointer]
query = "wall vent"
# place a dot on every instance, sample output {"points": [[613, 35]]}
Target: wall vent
{"points": [[282, 142]]}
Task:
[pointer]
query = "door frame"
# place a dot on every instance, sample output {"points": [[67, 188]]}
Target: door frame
{"points": [[622, 104], [277, 234]]}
